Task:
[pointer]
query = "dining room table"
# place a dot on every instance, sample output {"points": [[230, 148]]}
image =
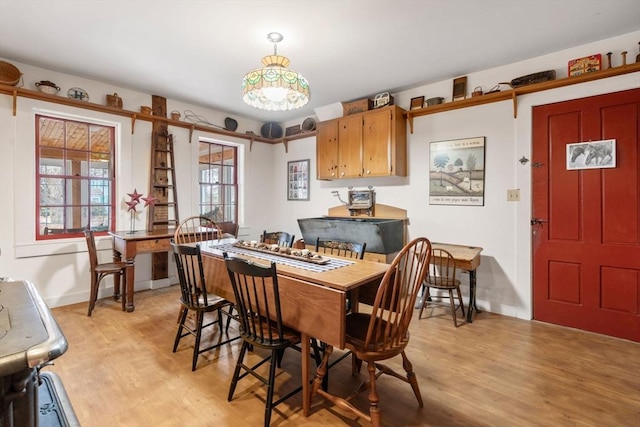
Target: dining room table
{"points": [[313, 296]]}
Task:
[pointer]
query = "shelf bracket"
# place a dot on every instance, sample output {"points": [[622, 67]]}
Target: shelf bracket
{"points": [[410, 120], [15, 102], [133, 124], [191, 128], [514, 98], [286, 145]]}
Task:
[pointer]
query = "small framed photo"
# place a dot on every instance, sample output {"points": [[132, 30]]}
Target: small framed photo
{"points": [[417, 102], [459, 88], [591, 155], [298, 180]]}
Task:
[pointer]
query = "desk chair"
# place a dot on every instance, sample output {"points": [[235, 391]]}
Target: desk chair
{"points": [[341, 248], [281, 238], [195, 298], [442, 276], [100, 271], [384, 333], [258, 300]]}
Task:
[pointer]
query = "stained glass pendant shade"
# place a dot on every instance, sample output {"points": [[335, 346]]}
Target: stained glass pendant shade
{"points": [[274, 87]]}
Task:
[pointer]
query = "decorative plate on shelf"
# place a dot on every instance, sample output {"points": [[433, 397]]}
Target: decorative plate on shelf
{"points": [[308, 124], [78, 93]]}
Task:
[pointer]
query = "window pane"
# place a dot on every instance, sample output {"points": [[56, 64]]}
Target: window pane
{"points": [[51, 133], [51, 191], [77, 137], [100, 139]]}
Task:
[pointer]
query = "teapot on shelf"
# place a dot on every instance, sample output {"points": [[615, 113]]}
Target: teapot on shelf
{"points": [[45, 86]]}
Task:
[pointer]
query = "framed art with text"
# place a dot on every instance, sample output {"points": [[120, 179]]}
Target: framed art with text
{"points": [[456, 172], [298, 180]]}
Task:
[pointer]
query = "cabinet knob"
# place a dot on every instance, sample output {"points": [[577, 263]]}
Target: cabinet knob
{"points": [[342, 174], [368, 172]]}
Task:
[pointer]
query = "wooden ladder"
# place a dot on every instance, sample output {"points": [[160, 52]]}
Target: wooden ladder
{"points": [[163, 213]]}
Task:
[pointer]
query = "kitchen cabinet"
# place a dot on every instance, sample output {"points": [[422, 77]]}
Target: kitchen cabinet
{"points": [[368, 144], [327, 149]]}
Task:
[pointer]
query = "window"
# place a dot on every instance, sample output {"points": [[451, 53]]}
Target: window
{"points": [[75, 177], [218, 180]]}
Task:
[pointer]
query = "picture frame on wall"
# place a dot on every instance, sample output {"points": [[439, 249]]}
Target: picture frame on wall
{"points": [[591, 155], [298, 180], [456, 172]]}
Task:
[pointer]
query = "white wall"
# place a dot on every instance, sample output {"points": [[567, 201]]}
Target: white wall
{"points": [[60, 269]]}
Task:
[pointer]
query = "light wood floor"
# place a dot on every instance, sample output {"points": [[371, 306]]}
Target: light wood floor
{"points": [[498, 371]]}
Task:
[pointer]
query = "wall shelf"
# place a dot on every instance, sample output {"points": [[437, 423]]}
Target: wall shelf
{"points": [[16, 92], [514, 93]]}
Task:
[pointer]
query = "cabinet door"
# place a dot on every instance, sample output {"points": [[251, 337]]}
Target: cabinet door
{"points": [[327, 150], [376, 143], [350, 147]]}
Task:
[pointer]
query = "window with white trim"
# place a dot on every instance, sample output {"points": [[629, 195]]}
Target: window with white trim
{"points": [[75, 177], [218, 181]]}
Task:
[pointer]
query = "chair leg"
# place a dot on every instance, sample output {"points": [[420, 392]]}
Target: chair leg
{"points": [[452, 302], [236, 372], [196, 347], [425, 300], [270, 386], [181, 320], [374, 408], [411, 377], [229, 319], [94, 293]]}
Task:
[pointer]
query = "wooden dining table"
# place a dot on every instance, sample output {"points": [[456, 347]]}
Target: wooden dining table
{"points": [[313, 302]]}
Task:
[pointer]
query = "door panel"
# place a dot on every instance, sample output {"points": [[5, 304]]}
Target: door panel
{"points": [[586, 251]]}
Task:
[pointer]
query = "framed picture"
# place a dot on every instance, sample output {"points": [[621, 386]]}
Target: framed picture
{"points": [[456, 172], [417, 102], [298, 180], [591, 155], [459, 88]]}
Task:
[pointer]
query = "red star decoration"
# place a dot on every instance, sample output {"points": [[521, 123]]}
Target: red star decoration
{"points": [[149, 201], [135, 196], [132, 205]]}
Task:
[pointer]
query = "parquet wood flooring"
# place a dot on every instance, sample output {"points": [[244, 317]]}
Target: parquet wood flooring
{"points": [[498, 371]]}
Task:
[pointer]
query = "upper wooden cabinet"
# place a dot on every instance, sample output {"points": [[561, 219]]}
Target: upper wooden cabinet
{"points": [[327, 149], [373, 143]]}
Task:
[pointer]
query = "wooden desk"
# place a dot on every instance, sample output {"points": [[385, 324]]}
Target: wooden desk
{"points": [[466, 258], [127, 245], [312, 303]]}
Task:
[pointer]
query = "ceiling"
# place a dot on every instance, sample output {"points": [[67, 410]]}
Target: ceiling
{"points": [[198, 51]]}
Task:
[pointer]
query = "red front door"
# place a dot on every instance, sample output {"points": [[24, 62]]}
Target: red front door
{"points": [[586, 223]]}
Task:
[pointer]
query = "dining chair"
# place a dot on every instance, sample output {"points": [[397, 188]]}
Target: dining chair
{"points": [[257, 297], [101, 270], [384, 332], [229, 228], [341, 248], [442, 277], [199, 228], [195, 298], [196, 229], [281, 238]]}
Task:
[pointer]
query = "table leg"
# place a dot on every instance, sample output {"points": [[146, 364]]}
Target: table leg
{"points": [[130, 278], [472, 296], [117, 257], [306, 355]]}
